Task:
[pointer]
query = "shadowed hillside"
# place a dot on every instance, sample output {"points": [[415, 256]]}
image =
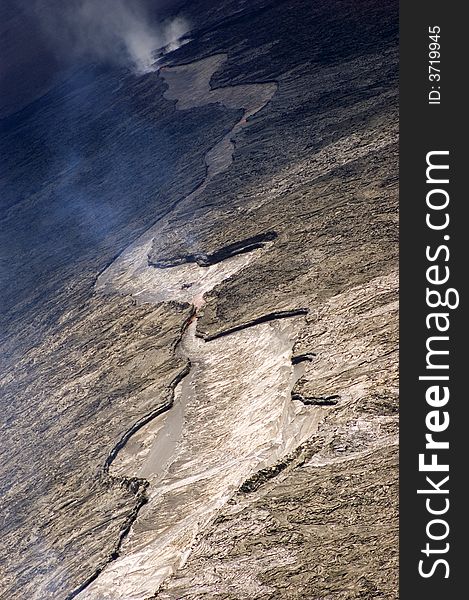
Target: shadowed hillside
{"points": [[272, 206]]}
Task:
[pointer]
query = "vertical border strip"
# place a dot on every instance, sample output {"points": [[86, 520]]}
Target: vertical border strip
{"points": [[433, 452]]}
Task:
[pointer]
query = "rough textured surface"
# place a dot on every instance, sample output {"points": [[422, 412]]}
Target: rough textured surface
{"points": [[317, 533], [105, 156], [109, 366], [324, 524]]}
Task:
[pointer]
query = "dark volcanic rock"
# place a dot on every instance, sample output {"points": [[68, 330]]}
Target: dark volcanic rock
{"points": [[99, 159], [69, 401]]}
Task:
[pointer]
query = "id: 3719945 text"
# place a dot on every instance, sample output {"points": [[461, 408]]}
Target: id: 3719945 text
{"points": [[434, 64]]}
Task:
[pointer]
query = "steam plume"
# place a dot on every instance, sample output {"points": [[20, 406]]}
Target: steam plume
{"points": [[119, 32]]}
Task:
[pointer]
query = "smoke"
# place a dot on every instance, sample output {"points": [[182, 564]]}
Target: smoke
{"points": [[117, 32]]}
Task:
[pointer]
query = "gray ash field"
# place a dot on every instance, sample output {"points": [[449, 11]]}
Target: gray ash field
{"points": [[199, 313]]}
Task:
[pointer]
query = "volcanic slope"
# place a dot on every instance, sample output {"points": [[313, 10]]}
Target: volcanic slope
{"points": [[311, 191]]}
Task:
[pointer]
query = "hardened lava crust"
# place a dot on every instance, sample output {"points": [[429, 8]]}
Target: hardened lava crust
{"points": [[248, 188]]}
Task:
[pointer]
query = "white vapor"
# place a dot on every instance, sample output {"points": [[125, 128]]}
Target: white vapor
{"points": [[113, 31]]}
